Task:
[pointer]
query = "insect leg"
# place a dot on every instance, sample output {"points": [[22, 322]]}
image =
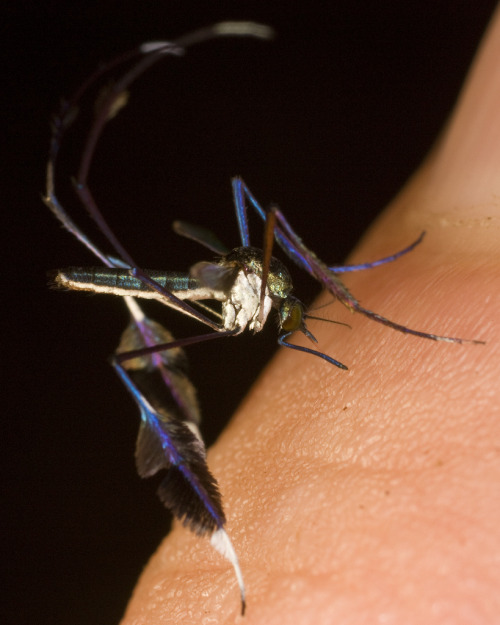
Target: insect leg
{"points": [[267, 248], [116, 98], [108, 106], [381, 261], [241, 193], [149, 363], [60, 124], [282, 341], [333, 283], [305, 258], [241, 210]]}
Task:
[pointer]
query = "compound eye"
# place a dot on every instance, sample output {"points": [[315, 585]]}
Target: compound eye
{"points": [[291, 315]]}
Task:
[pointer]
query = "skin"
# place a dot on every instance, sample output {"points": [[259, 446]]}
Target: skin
{"points": [[371, 496]]}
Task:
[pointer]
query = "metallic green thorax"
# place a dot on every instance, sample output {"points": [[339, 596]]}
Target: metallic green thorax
{"points": [[279, 281]]}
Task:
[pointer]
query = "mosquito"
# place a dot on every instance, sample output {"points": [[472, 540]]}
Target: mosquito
{"points": [[235, 292]]}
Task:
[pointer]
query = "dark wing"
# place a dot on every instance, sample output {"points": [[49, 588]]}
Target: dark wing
{"points": [[168, 435]]}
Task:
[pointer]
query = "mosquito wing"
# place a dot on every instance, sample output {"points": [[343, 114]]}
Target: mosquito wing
{"points": [[168, 436]]}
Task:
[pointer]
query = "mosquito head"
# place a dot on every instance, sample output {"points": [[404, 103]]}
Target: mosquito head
{"points": [[291, 316]]}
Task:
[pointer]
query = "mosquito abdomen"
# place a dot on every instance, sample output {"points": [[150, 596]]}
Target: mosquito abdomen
{"points": [[119, 281]]}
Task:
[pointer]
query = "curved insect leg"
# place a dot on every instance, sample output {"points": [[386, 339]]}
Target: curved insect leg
{"points": [[333, 284], [401, 328], [61, 122], [116, 98], [108, 107], [240, 205], [282, 341], [151, 365], [305, 258], [169, 439], [241, 193], [381, 261]]}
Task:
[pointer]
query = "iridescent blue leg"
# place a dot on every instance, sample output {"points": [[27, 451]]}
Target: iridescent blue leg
{"points": [[165, 440], [333, 283], [283, 342], [107, 108], [168, 437], [305, 258], [376, 263], [241, 211], [241, 193], [271, 230]]}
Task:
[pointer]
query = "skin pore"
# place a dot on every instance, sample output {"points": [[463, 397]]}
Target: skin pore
{"points": [[371, 496]]}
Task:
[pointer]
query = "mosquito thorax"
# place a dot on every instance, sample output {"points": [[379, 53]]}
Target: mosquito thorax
{"points": [[243, 306], [250, 259]]}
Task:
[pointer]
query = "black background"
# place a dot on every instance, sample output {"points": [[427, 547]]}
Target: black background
{"points": [[328, 120]]}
